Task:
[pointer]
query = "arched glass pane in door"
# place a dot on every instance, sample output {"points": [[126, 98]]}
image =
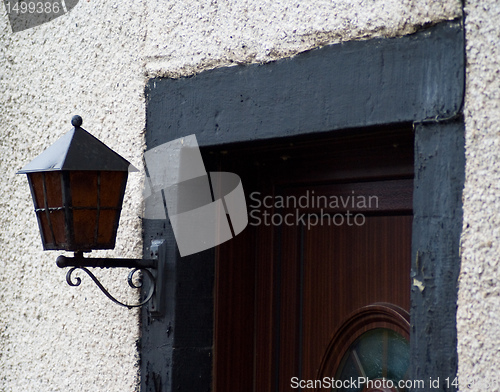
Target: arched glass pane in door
{"points": [[370, 351], [378, 359]]}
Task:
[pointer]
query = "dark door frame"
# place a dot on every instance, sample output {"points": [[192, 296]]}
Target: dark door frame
{"points": [[417, 78]]}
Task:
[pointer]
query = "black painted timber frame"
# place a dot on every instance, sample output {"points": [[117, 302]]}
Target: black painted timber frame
{"points": [[417, 78]]}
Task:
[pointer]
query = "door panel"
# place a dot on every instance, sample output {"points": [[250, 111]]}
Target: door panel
{"points": [[346, 269], [283, 290]]}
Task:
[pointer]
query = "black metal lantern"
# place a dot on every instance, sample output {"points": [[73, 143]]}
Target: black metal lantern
{"points": [[77, 186]]}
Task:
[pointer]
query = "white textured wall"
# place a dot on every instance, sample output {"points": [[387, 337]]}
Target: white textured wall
{"points": [[94, 62], [55, 337], [479, 294], [188, 36]]}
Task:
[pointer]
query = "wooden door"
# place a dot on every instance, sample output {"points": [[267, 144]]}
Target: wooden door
{"points": [[308, 276]]}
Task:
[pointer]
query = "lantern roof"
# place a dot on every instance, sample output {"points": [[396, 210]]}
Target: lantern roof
{"points": [[78, 150]]}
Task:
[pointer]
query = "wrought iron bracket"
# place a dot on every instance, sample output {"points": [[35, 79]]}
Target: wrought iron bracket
{"points": [[153, 269]]}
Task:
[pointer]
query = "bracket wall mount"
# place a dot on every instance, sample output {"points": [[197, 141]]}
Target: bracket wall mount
{"points": [[153, 269]]}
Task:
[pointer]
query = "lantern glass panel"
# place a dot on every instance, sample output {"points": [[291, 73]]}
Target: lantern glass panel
{"points": [[84, 224], [84, 200], [84, 188], [58, 227], [47, 198], [53, 189], [112, 187], [46, 233], [36, 180], [96, 200], [107, 230], [47, 185]]}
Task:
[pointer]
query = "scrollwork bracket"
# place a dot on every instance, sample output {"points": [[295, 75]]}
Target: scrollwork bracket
{"points": [[152, 268]]}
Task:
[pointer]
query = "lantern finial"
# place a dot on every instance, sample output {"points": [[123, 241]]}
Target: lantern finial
{"points": [[76, 121]]}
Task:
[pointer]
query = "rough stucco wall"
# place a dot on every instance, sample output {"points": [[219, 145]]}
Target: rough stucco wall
{"points": [[56, 337], [93, 62], [187, 37], [479, 293]]}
